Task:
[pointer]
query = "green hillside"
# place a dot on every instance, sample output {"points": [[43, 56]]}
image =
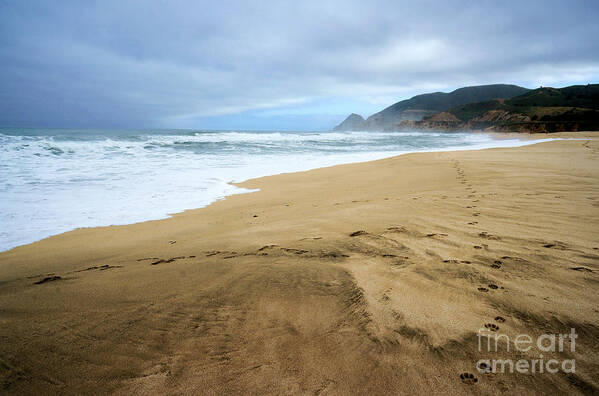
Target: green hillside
{"points": [[570, 108], [439, 101], [586, 96]]}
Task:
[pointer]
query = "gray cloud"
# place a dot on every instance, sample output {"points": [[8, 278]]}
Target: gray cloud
{"points": [[228, 64]]}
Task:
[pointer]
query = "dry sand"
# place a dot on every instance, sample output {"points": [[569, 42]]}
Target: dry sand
{"points": [[269, 292]]}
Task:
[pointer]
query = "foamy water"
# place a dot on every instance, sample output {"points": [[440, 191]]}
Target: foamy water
{"points": [[52, 180]]}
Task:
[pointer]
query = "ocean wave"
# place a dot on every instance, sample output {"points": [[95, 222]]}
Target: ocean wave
{"points": [[57, 180]]}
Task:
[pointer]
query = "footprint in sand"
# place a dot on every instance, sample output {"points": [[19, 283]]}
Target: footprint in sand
{"points": [[397, 229], [582, 269], [468, 378], [486, 235], [356, 233], [483, 367], [494, 287], [48, 279], [432, 235], [267, 247], [101, 267], [491, 326], [499, 319], [556, 245], [477, 247], [169, 260], [483, 289]]}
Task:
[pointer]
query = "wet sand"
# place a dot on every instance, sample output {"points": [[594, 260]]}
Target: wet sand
{"points": [[362, 278]]}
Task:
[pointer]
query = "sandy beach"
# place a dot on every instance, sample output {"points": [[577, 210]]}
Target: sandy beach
{"points": [[370, 278]]}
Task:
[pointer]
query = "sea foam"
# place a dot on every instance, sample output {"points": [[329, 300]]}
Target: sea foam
{"points": [[52, 181]]}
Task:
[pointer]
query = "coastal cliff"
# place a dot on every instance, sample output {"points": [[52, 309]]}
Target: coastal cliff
{"points": [[545, 109], [422, 106]]}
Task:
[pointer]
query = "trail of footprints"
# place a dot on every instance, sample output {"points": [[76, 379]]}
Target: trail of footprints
{"points": [[469, 378], [461, 176], [47, 278], [465, 377], [275, 250]]}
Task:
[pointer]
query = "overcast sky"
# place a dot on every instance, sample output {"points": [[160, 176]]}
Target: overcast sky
{"points": [[295, 65]]}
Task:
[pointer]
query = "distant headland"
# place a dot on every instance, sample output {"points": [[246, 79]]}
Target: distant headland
{"points": [[497, 107]]}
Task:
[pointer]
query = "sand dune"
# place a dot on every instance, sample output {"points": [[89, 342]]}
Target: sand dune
{"points": [[360, 278]]}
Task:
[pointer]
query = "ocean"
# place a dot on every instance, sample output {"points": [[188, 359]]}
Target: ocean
{"points": [[56, 180]]}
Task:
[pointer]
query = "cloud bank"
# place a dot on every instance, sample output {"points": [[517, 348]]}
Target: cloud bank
{"points": [[273, 65]]}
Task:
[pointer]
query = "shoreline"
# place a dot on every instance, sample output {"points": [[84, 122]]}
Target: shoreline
{"points": [[538, 138]]}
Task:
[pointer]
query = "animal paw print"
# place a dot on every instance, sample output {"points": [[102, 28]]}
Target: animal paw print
{"points": [[483, 367], [496, 264], [491, 326], [499, 319], [493, 286], [483, 289], [468, 378]]}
